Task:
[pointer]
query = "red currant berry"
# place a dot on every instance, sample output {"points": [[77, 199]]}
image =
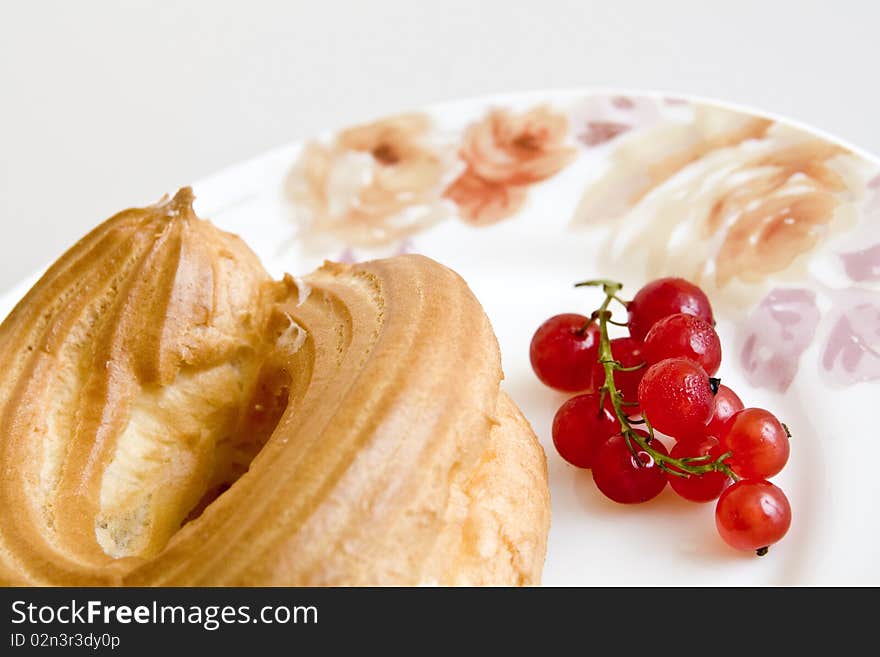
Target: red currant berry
{"points": [[759, 444], [628, 353], [705, 487], [664, 297], [727, 404], [684, 336], [624, 479], [580, 426], [676, 396], [752, 514], [563, 352]]}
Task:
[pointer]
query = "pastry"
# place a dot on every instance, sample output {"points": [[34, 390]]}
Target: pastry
{"points": [[171, 415]]}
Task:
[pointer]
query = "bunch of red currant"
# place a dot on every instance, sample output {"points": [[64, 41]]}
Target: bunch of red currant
{"points": [[661, 377]]}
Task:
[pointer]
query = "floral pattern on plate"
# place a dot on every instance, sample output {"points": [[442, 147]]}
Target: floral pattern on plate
{"points": [[505, 153], [742, 204], [373, 184], [733, 197], [378, 183]]}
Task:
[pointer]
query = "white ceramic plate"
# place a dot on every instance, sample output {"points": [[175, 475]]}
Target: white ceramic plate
{"points": [[525, 194]]}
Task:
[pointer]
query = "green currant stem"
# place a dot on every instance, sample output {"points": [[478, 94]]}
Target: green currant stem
{"points": [[684, 467]]}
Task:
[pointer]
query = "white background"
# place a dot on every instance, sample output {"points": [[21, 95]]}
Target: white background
{"points": [[104, 105]]}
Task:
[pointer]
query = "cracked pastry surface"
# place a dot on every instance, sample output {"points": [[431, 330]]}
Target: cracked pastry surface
{"points": [[170, 415]]}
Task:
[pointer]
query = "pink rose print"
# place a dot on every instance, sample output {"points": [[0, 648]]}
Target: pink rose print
{"points": [[864, 264], [599, 119], [505, 153], [622, 102], [598, 132], [778, 331], [852, 353]]}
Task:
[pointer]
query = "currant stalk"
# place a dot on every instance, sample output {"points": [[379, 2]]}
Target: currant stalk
{"points": [[679, 467]]}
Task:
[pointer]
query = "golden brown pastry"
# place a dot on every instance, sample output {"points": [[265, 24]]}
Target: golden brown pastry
{"points": [[170, 415]]}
